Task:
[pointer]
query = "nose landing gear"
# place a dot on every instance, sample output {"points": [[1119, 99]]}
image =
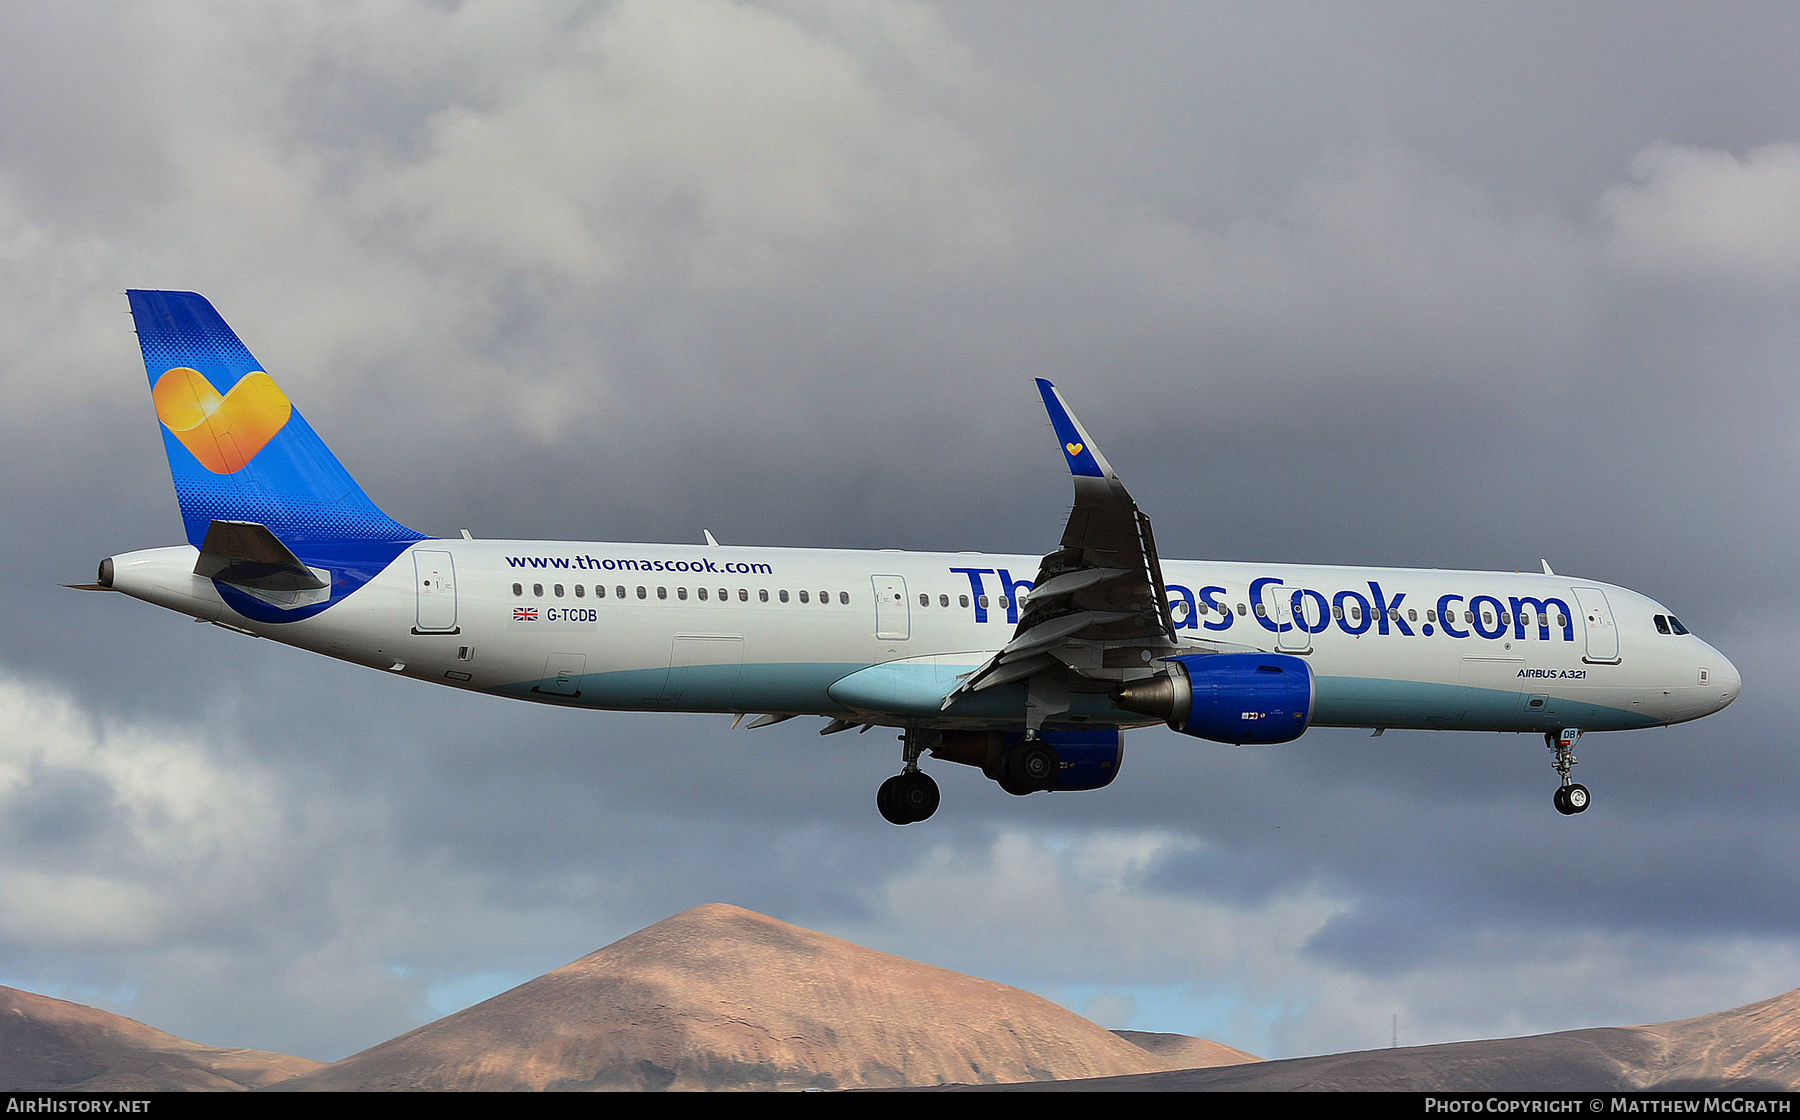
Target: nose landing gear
{"points": [[1571, 797]]}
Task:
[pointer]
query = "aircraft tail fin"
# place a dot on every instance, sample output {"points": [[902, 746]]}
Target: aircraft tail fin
{"points": [[238, 449]]}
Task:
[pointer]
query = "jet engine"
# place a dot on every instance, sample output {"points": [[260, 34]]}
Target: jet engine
{"points": [[1227, 697]]}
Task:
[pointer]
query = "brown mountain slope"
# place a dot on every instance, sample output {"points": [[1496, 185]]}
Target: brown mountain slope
{"points": [[49, 1044], [1756, 1047], [1182, 1051], [723, 998]]}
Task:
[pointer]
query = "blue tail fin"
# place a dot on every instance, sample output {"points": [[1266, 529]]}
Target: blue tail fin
{"points": [[238, 449]]}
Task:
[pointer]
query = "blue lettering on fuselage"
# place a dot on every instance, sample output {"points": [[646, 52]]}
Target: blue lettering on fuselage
{"points": [[1315, 611]]}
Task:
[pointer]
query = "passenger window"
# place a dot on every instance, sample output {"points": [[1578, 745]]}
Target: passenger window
{"points": [[1240, 610], [1001, 602], [538, 590], [518, 589], [1412, 616], [580, 591], [943, 600], [744, 595], [803, 597], [762, 594], [724, 594], [662, 593], [963, 599], [558, 590], [784, 597], [1337, 612], [1562, 620], [984, 600], [701, 592], [924, 600], [843, 598], [642, 594], [1431, 615], [599, 591]]}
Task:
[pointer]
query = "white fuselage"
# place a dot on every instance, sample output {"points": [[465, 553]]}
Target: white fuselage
{"points": [[883, 637]]}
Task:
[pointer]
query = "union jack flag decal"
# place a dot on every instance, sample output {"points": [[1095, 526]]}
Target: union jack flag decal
{"points": [[524, 614]]}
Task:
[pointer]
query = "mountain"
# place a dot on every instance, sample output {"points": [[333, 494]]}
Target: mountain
{"points": [[723, 998], [49, 1045], [1747, 1049]]}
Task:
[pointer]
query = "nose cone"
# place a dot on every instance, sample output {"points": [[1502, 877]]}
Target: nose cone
{"points": [[1725, 679]]}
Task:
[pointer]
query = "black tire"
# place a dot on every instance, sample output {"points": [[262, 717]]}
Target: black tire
{"points": [[1034, 766], [917, 796], [1014, 788], [887, 799], [1577, 798], [1561, 800]]}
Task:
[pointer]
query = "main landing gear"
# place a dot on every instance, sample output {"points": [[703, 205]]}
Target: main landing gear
{"points": [[909, 796], [1028, 767], [1571, 797]]}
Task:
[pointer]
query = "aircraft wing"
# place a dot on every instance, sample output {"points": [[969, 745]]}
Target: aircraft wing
{"points": [[1098, 613]]}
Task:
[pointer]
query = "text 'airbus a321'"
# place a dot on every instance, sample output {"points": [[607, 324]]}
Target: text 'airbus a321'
{"points": [[1028, 667]]}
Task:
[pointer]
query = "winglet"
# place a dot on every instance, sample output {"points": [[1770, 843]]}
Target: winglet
{"points": [[1083, 457]]}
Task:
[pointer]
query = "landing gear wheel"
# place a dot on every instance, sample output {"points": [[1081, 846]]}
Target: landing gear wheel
{"points": [[886, 801], [1015, 788], [907, 798], [1572, 799], [917, 795], [1033, 766]]}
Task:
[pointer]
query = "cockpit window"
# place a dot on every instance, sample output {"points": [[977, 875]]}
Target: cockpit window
{"points": [[1675, 625], [1662, 624]]}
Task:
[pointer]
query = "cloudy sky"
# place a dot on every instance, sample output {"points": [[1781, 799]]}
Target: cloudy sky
{"points": [[1445, 285]]}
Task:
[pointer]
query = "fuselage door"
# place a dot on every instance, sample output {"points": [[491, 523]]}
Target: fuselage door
{"points": [[1597, 621], [893, 615], [1278, 608], [436, 583]]}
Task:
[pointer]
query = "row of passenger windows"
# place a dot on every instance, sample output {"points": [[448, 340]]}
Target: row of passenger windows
{"points": [[681, 593], [724, 594], [1664, 624]]}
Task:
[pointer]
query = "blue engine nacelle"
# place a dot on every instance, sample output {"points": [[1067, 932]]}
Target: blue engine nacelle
{"points": [[1228, 697]]}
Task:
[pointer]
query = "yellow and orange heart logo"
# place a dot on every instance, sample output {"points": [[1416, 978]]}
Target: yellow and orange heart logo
{"points": [[1072, 448], [226, 432]]}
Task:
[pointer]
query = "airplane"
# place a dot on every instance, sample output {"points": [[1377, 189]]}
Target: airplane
{"points": [[1030, 668]]}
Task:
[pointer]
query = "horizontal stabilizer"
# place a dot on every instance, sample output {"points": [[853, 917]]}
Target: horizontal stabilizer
{"points": [[246, 554]]}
